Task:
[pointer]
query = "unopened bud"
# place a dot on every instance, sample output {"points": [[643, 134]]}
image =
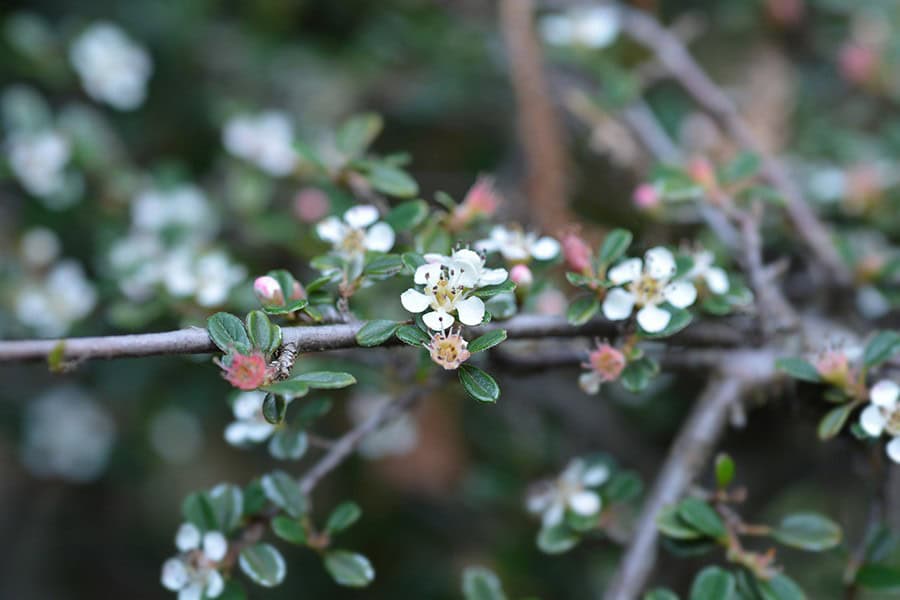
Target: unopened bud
{"points": [[521, 275], [268, 291], [646, 196], [577, 253]]}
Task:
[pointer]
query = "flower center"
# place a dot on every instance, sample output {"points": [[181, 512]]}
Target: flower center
{"points": [[893, 421], [354, 242], [646, 290], [444, 295]]}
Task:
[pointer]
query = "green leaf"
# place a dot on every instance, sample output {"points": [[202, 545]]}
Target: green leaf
{"points": [[681, 318], [412, 260], [702, 517], [392, 181], [376, 332], [264, 335], [556, 539], [356, 134], [490, 291], [284, 492], [479, 384], [227, 503], [288, 308], [325, 380], [624, 486], [480, 583], [312, 410], [833, 421], [724, 470], [881, 348], [198, 510], [254, 498], [412, 335], [263, 564], [808, 531], [290, 388], [582, 309], [233, 591], [383, 267], [288, 444], [614, 245], [486, 341], [288, 529], [713, 583], [879, 577], [743, 166], [407, 215], [671, 524], [227, 332], [274, 408], [798, 369], [660, 594], [780, 587], [342, 517], [638, 373], [349, 568]]}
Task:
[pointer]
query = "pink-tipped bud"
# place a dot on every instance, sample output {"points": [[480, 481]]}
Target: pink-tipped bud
{"points": [[577, 253], [702, 172], [646, 196], [311, 205], [607, 362], [246, 372], [858, 64], [521, 275], [268, 291], [298, 292], [481, 200], [448, 350], [833, 367]]}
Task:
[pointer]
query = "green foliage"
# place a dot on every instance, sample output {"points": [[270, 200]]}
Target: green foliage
{"points": [[615, 244], [713, 583], [343, 516], [582, 309], [289, 530], [227, 332], [478, 384], [284, 492], [798, 369], [263, 564], [724, 470], [881, 348], [377, 332], [480, 583], [487, 341], [349, 568], [808, 531]]}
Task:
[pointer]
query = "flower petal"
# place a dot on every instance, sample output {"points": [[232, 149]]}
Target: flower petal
{"points": [[595, 476], [215, 585], [188, 537], [428, 274], [546, 248], [438, 320], [590, 382], [192, 592], [414, 301], [872, 421], [331, 230], [215, 546], [585, 503], [471, 310], [884, 394], [659, 263], [680, 294], [379, 237], [174, 574], [716, 280], [626, 271], [618, 304], [653, 319], [492, 277], [893, 449], [361, 216], [247, 405], [554, 514], [237, 433]]}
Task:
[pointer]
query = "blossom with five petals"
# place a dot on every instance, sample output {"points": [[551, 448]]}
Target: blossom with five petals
{"points": [[358, 232]]}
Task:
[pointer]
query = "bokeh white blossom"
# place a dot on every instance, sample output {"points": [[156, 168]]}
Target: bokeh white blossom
{"points": [[113, 68]]}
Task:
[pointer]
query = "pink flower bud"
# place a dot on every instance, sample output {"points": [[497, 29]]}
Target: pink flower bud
{"points": [[246, 372], [481, 200], [833, 366], [577, 253], [268, 291], [646, 196], [702, 172], [298, 292], [607, 362], [858, 64], [521, 275], [311, 205]]}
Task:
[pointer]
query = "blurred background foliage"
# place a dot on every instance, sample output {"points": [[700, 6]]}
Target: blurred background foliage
{"points": [[438, 74]]}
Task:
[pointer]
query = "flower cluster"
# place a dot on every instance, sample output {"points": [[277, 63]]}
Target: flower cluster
{"points": [[573, 490], [194, 573], [882, 415], [38, 160], [447, 285], [53, 301], [647, 284], [112, 67], [518, 246], [249, 426], [265, 139]]}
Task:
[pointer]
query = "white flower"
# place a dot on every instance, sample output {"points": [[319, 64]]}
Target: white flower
{"points": [[265, 139], [67, 434], [593, 27], [112, 67], [447, 283], [249, 427], [570, 491], [52, 305], [38, 161], [716, 278], [647, 284], [883, 415], [39, 247], [358, 232], [183, 206], [194, 574], [517, 246], [208, 277]]}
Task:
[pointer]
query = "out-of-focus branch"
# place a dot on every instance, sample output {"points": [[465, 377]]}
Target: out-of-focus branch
{"points": [[671, 53], [538, 125], [333, 337], [689, 454]]}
